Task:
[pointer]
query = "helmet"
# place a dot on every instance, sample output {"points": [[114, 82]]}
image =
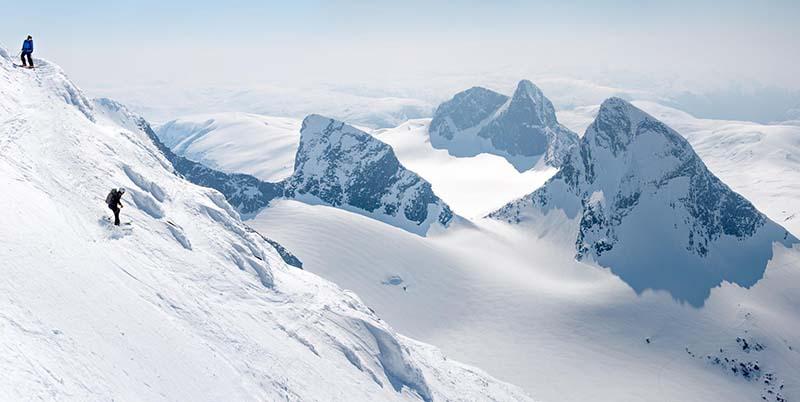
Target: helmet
{"points": [[121, 190]]}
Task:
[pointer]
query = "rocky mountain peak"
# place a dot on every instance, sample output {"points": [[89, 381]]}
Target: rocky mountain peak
{"points": [[646, 206], [523, 129], [342, 166]]}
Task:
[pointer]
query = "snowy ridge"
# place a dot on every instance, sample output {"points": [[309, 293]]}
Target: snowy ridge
{"points": [[759, 161], [261, 146], [339, 165], [361, 174], [246, 193], [643, 204], [186, 303], [523, 128]]}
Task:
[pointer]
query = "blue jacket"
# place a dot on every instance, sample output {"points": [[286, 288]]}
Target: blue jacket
{"points": [[27, 46]]}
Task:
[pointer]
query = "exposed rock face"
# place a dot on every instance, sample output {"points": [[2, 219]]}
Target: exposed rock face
{"points": [[647, 207], [523, 128], [345, 167]]}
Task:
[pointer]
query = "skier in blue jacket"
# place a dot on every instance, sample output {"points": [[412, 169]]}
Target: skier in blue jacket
{"points": [[27, 50]]}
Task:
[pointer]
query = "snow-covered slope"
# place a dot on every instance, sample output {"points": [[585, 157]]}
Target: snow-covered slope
{"points": [[523, 128], [342, 166], [261, 146], [642, 203], [472, 186], [367, 106], [244, 192], [185, 303], [757, 160], [514, 301]]}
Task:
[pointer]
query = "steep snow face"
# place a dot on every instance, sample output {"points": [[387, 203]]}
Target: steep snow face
{"points": [[523, 128], [643, 204], [185, 302], [246, 193], [758, 161], [339, 165], [261, 146]]}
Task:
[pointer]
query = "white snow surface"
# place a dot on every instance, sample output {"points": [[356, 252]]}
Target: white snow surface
{"points": [[472, 186], [262, 146], [515, 302], [371, 107], [185, 303]]}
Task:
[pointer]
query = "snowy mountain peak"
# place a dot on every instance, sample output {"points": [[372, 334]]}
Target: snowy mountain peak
{"points": [[645, 205], [523, 128], [530, 98], [342, 166], [617, 122]]}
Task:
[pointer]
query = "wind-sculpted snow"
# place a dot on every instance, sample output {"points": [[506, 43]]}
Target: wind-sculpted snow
{"points": [[523, 128], [339, 165], [644, 205], [185, 302], [245, 192]]}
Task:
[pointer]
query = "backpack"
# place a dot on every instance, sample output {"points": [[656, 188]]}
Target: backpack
{"points": [[110, 197]]}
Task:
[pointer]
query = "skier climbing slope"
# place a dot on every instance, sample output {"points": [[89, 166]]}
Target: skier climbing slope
{"points": [[114, 202]]}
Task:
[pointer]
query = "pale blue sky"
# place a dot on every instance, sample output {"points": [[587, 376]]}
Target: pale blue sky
{"points": [[114, 44]]}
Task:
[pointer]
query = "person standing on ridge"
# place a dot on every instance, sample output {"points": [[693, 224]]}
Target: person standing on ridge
{"points": [[114, 201], [27, 50]]}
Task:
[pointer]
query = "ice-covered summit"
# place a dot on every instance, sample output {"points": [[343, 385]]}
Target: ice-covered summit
{"points": [[645, 205], [183, 303], [342, 166], [522, 128]]}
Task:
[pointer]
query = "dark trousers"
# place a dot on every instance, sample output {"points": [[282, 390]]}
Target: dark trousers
{"points": [[116, 214], [30, 59]]}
